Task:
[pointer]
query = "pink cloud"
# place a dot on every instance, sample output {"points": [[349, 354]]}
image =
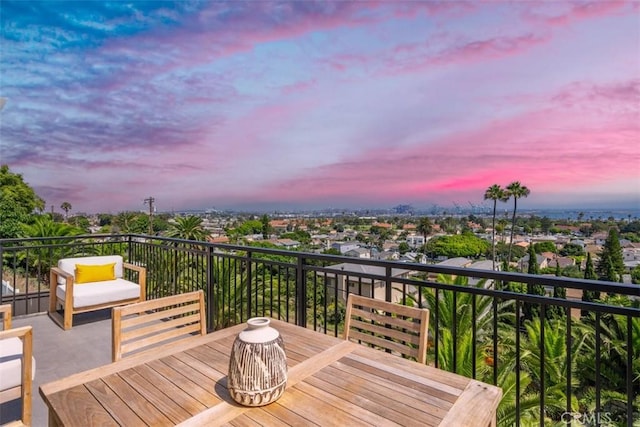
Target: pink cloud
{"points": [[417, 57], [576, 11], [623, 96], [549, 150], [298, 87], [481, 50], [214, 33]]}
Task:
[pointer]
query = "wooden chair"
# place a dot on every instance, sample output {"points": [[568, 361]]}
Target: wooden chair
{"points": [[149, 323], [393, 327], [16, 365]]}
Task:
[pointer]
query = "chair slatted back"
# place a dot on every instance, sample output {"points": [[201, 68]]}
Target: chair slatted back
{"points": [[393, 327], [146, 324]]}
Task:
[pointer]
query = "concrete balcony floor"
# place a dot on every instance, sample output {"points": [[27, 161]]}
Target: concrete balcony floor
{"points": [[61, 353]]}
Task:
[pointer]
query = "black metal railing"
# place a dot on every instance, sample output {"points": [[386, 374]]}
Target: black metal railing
{"points": [[557, 360]]}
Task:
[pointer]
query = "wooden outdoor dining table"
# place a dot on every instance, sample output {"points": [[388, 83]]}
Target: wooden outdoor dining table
{"points": [[330, 382]]}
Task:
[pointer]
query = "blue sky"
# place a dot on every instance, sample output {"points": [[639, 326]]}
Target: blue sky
{"points": [[321, 104]]}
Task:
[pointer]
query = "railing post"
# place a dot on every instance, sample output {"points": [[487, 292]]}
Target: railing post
{"points": [[211, 302], [174, 279], [301, 294], [129, 250], [387, 290], [630, 359], [249, 282]]}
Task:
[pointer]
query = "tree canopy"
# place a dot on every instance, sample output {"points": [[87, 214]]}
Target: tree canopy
{"points": [[611, 264], [544, 247], [252, 226], [572, 249], [458, 245], [187, 228], [17, 202]]}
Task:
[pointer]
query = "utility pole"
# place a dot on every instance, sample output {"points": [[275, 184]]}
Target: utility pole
{"points": [[150, 200]]}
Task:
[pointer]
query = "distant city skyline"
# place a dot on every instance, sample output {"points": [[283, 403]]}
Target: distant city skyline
{"points": [[310, 105]]}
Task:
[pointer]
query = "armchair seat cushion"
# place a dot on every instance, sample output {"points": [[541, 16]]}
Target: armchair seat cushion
{"points": [[11, 363], [95, 293]]}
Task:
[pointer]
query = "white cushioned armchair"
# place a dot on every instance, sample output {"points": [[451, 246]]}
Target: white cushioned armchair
{"points": [[17, 365], [94, 290]]}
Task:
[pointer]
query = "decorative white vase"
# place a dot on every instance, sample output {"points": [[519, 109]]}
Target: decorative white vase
{"points": [[258, 364]]}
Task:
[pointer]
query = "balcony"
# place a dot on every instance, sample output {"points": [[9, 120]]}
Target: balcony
{"points": [[582, 361]]}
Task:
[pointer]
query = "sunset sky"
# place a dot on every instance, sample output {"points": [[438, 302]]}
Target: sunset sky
{"points": [[303, 104]]}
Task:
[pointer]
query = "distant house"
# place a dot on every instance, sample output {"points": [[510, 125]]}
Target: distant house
{"points": [[367, 280], [359, 253], [549, 255], [390, 245], [345, 247], [459, 262], [541, 260], [385, 255], [600, 237], [594, 250], [631, 257], [575, 230], [286, 243], [218, 239], [279, 225], [624, 242], [474, 226], [415, 240], [483, 265], [417, 257], [321, 240], [563, 261], [384, 225], [578, 242]]}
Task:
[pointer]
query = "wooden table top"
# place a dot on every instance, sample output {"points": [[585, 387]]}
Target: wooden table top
{"points": [[330, 382]]}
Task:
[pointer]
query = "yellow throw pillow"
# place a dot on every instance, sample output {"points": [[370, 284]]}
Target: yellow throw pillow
{"points": [[95, 273]]}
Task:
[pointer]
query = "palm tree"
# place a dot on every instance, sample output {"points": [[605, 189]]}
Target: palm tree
{"points": [[455, 313], [188, 228], [123, 222], [231, 296], [613, 351], [39, 259], [425, 226], [517, 191], [495, 193], [66, 207], [553, 374]]}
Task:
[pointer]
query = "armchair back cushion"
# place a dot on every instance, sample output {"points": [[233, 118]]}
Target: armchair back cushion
{"points": [[11, 363], [95, 273], [69, 265]]}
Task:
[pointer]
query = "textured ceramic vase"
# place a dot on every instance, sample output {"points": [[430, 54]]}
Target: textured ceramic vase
{"points": [[258, 365]]}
